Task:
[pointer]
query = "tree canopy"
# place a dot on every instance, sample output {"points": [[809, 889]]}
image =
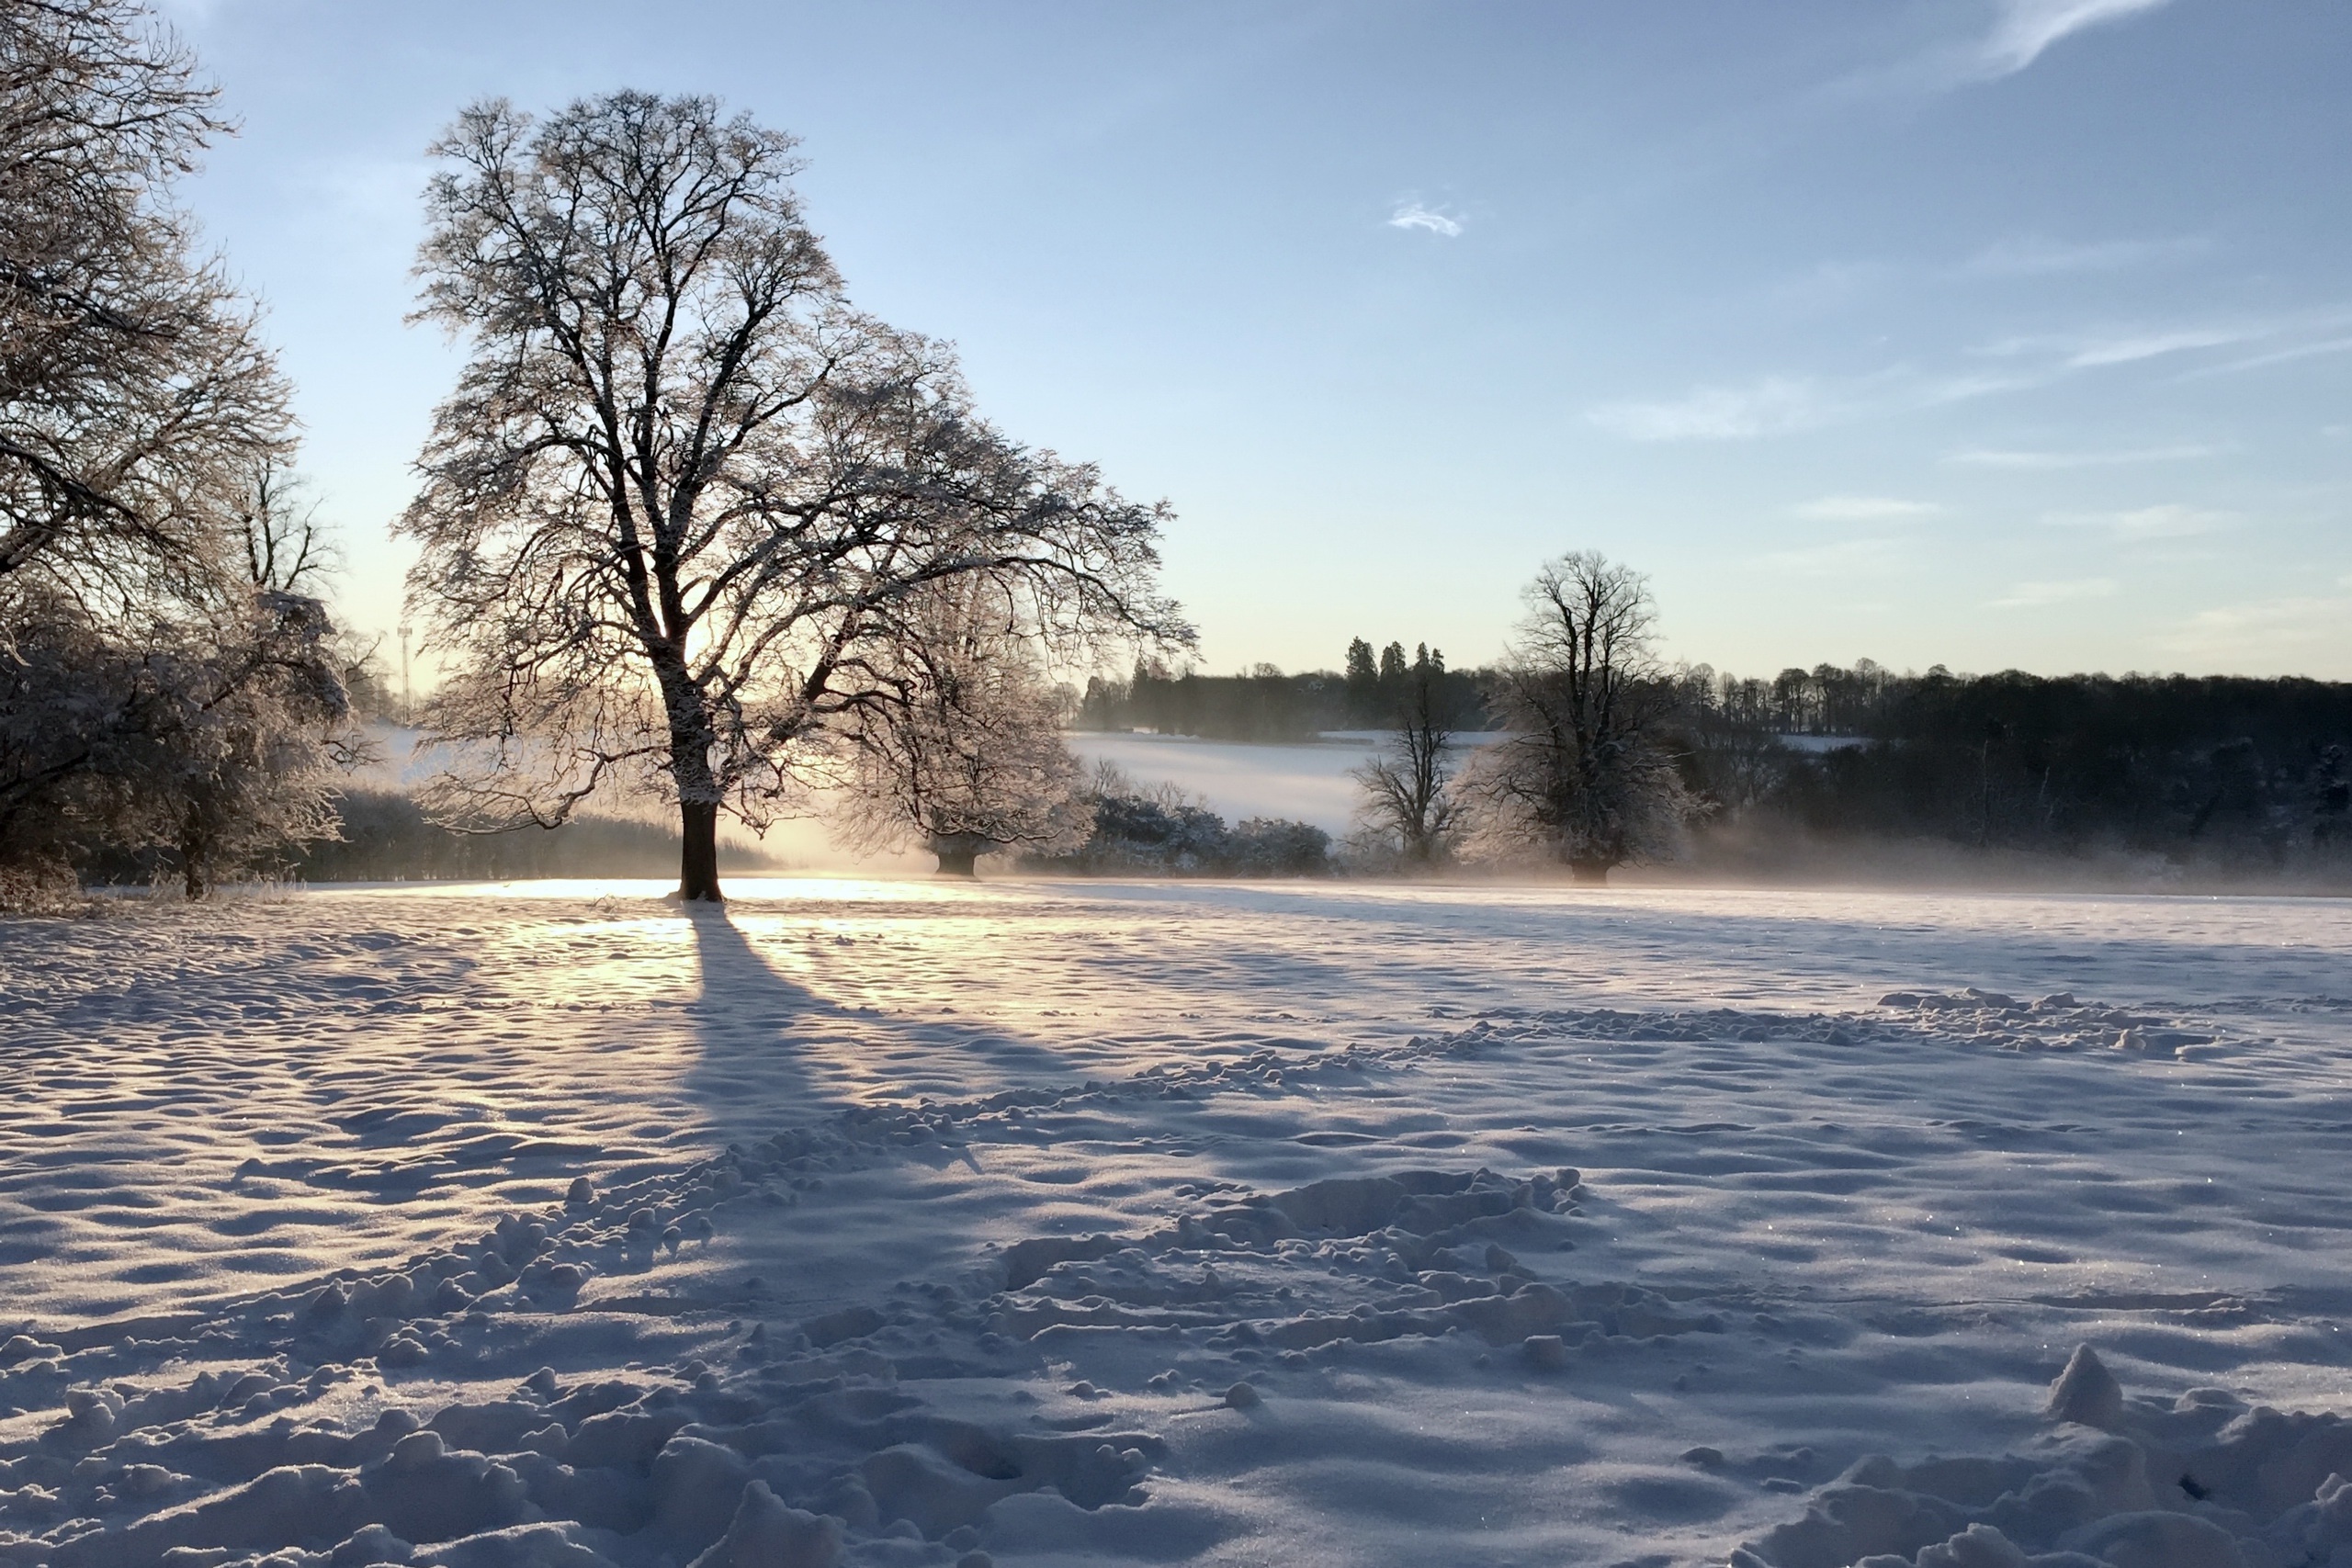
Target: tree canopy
{"points": [[686, 501]]}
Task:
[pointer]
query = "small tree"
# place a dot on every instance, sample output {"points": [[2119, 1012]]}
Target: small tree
{"points": [[959, 747], [679, 517], [1583, 776], [209, 741], [252, 757], [1406, 795], [266, 727]]}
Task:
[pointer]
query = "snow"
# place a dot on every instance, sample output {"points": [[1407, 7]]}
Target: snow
{"points": [[895, 1222], [1307, 783]]}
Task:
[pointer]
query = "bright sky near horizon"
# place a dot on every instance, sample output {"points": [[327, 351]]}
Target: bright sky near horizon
{"points": [[1985, 332]]}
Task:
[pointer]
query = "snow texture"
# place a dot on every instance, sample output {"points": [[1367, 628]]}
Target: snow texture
{"points": [[871, 1223]]}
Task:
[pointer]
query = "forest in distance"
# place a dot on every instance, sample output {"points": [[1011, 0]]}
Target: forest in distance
{"points": [[2224, 771]]}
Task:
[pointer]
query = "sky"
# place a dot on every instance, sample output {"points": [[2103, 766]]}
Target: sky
{"points": [[1989, 333]]}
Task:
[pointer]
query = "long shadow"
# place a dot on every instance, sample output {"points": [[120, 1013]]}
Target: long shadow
{"points": [[751, 1027], [772, 1054]]}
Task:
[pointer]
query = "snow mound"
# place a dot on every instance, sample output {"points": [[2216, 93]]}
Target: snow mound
{"points": [[2202, 1482]]}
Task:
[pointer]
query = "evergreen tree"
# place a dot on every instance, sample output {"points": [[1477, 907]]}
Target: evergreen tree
{"points": [[1363, 682]]}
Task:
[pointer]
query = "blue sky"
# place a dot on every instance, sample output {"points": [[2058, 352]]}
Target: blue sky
{"points": [[1987, 332]]}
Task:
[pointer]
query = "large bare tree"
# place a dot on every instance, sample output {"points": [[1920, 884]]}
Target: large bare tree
{"points": [[1583, 775], [686, 501]]}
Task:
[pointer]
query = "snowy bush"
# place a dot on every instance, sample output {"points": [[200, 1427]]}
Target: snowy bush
{"points": [[1159, 832]]}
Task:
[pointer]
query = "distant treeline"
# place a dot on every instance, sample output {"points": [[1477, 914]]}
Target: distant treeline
{"points": [[2233, 767], [2222, 769], [2243, 768], [1266, 704]]}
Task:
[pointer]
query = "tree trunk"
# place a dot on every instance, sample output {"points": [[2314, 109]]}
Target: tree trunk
{"points": [[1588, 873], [192, 855], [955, 859], [698, 854]]}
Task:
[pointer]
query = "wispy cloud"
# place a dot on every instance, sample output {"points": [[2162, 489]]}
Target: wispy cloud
{"points": [[2133, 347], [2091, 351], [1771, 406], [2300, 632], [2035, 596], [1845, 559], [2036, 256], [1780, 404], [2275, 356], [1998, 458], [2027, 29], [2022, 31], [2139, 525], [1863, 509], [1413, 215]]}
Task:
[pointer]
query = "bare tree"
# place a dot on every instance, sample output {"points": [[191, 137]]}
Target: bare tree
{"points": [[961, 749], [1406, 794], [135, 393], [149, 667], [212, 737], [1583, 775], [265, 733], [682, 508]]}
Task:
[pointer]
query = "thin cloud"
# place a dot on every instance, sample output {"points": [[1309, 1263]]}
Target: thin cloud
{"points": [[1772, 406], [2155, 345], [2272, 340], [2304, 632], [2036, 596], [1413, 215], [2094, 351], [1844, 560], [2035, 256], [1781, 405], [2027, 29], [2276, 356], [2141, 524], [1998, 458], [2021, 33], [1863, 509]]}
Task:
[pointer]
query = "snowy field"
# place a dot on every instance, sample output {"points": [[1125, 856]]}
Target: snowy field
{"points": [[1239, 780], [887, 1221]]}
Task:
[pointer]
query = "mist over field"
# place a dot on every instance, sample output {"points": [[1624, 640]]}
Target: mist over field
{"points": [[938, 788]]}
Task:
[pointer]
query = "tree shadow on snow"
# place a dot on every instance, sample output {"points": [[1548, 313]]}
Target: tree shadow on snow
{"points": [[774, 1055]]}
